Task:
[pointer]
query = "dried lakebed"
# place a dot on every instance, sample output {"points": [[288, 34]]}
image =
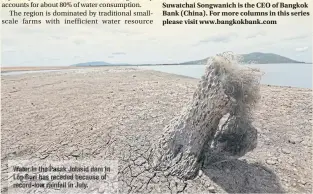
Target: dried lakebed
{"points": [[116, 113]]}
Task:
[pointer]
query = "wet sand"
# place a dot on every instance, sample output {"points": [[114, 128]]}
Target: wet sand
{"points": [[110, 112]]}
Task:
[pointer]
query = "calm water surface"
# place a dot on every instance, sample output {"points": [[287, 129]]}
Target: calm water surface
{"points": [[294, 75]]}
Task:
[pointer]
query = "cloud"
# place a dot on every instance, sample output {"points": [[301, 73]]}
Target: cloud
{"points": [[257, 34], [302, 49], [119, 53], [303, 36], [58, 37], [8, 50], [79, 41], [220, 38]]}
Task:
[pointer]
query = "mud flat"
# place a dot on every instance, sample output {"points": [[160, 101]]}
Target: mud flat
{"points": [[116, 113], [14, 69]]}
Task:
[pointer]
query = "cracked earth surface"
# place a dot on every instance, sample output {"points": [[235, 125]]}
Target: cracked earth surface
{"points": [[117, 113]]}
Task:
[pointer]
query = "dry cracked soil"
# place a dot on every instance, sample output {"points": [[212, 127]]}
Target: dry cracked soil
{"points": [[117, 113]]}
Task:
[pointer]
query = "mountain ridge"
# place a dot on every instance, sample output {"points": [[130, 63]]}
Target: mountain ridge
{"points": [[250, 58], [253, 58]]}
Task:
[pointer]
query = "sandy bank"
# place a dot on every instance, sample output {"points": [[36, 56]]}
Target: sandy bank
{"points": [[13, 69], [108, 112]]}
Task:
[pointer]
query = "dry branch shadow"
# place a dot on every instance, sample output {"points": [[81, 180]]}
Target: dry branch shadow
{"points": [[238, 176]]}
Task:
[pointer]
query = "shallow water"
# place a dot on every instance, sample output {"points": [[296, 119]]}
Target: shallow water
{"points": [[291, 74]]}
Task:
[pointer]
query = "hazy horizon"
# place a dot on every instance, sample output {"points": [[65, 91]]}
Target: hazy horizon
{"points": [[126, 63]]}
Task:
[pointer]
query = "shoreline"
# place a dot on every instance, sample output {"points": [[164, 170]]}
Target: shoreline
{"points": [[39, 68], [22, 72]]}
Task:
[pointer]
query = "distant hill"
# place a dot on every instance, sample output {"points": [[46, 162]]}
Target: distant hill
{"points": [[95, 63], [264, 58], [256, 57]]}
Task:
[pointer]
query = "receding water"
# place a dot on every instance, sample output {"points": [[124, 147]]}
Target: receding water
{"points": [[290, 74]]}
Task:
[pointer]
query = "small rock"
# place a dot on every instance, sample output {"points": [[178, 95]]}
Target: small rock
{"points": [[212, 189], [64, 143], [166, 173], [75, 153], [267, 141], [259, 130], [294, 184], [102, 188], [139, 161], [200, 173], [44, 156], [307, 143], [294, 140], [302, 182], [227, 170], [134, 76], [271, 161], [285, 151]]}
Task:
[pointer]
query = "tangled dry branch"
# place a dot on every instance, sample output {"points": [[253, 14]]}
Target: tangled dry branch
{"points": [[201, 134]]}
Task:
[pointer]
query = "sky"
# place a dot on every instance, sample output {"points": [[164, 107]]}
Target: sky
{"points": [[63, 45]]}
